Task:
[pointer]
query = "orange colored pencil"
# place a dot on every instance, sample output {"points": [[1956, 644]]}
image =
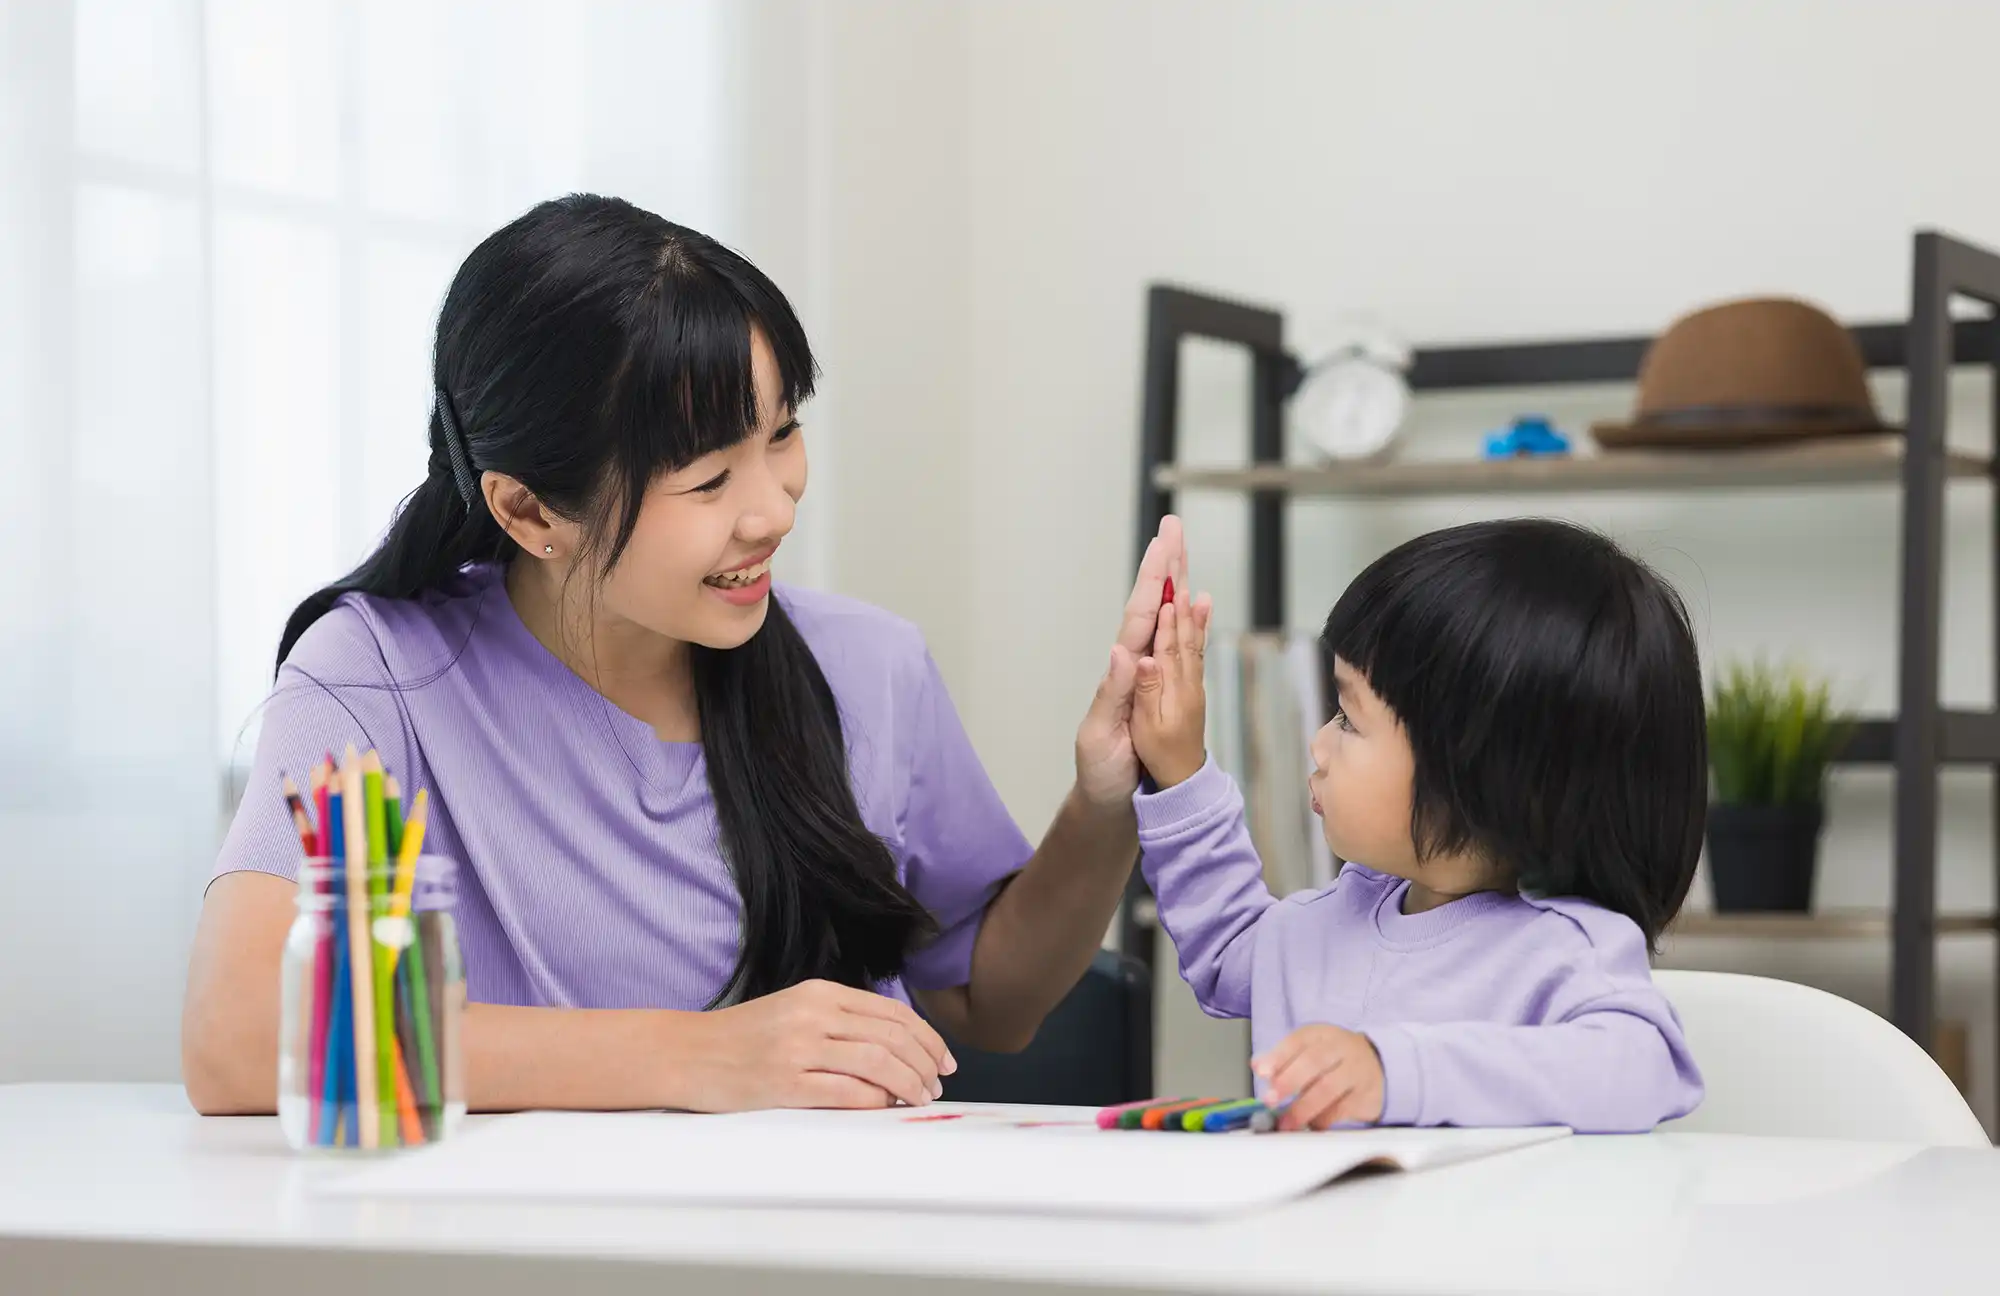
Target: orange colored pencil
{"points": [[406, 1100]]}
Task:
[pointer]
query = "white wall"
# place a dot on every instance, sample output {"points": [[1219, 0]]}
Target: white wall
{"points": [[1472, 171]]}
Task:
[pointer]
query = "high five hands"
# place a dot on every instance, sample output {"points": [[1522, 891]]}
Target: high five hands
{"points": [[1156, 665]]}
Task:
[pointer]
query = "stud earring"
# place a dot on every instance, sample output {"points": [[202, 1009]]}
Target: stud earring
{"points": [[548, 549]]}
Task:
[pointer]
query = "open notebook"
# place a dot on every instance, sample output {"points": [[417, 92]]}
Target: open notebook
{"points": [[992, 1159]]}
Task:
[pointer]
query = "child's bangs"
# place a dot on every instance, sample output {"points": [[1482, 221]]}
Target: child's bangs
{"points": [[1376, 623]]}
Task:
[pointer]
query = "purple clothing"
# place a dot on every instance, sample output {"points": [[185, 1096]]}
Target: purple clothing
{"points": [[1496, 1009], [590, 870]]}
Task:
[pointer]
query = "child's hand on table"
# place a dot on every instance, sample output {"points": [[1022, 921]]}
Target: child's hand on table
{"points": [[1331, 1076], [1170, 703]]}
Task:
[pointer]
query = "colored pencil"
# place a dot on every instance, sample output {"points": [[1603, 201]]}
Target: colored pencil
{"points": [[1157, 1117], [1108, 1118], [410, 1126], [384, 1009], [392, 814], [302, 821], [334, 1084], [308, 835], [435, 1031], [323, 945], [368, 1114], [1205, 1119], [406, 857], [422, 965], [320, 791]]}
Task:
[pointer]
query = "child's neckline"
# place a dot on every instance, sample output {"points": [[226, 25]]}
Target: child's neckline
{"points": [[1411, 929]]}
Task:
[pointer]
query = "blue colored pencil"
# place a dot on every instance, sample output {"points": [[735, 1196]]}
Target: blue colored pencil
{"points": [[336, 1059], [1233, 1117]]}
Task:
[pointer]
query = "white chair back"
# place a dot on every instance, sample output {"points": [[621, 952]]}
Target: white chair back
{"points": [[1782, 1058]]}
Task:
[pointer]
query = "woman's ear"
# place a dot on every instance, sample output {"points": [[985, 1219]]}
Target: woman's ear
{"points": [[524, 518]]}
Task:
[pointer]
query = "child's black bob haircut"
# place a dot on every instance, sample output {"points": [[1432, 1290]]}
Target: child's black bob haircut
{"points": [[1551, 692]]}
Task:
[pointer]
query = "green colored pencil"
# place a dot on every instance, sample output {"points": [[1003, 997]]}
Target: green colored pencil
{"points": [[385, 991], [410, 982]]}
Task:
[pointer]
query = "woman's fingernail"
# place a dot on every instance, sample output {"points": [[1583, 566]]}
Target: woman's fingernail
{"points": [[950, 1064]]}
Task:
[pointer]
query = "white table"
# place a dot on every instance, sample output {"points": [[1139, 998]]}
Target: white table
{"points": [[115, 1188]]}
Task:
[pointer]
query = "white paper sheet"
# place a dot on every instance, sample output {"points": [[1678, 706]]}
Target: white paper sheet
{"points": [[983, 1159]]}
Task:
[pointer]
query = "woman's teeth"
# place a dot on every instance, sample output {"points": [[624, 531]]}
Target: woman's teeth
{"points": [[738, 579]]}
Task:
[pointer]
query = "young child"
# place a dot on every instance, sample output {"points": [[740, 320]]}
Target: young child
{"points": [[1516, 779]]}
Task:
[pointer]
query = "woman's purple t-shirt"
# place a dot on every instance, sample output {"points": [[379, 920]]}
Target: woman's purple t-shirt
{"points": [[590, 869]]}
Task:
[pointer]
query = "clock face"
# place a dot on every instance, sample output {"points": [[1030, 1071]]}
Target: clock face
{"points": [[1350, 407]]}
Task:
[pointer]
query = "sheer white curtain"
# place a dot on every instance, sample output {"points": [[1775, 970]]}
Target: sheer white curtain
{"points": [[227, 226]]}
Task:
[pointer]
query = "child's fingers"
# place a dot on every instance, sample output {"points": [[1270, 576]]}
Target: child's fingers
{"points": [[1300, 1072], [1281, 1055], [1190, 645], [1316, 1102], [1167, 640]]}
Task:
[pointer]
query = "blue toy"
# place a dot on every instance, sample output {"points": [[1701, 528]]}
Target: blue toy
{"points": [[1531, 434]]}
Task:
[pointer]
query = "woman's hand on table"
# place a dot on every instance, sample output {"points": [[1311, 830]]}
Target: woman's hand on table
{"points": [[817, 1044]]}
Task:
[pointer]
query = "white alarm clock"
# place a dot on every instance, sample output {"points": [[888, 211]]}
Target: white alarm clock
{"points": [[1353, 396]]}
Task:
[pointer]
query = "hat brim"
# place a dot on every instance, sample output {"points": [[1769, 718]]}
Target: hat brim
{"points": [[1641, 436]]}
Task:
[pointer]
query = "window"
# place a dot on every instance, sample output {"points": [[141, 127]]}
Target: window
{"points": [[270, 202]]}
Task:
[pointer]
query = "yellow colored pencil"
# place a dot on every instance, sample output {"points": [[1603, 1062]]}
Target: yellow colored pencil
{"points": [[406, 861], [413, 846], [360, 976]]}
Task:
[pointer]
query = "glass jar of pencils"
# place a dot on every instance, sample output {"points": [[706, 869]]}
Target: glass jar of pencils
{"points": [[372, 994]]}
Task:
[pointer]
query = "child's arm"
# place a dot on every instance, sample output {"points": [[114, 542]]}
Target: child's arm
{"points": [[1195, 849], [1194, 844], [1618, 1066], [1609, 1058]]}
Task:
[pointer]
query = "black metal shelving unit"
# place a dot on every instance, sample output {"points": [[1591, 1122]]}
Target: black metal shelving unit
{"points": [[1920, 739]]}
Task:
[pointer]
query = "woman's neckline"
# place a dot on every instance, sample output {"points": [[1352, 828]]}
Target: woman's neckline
{"points": [[652, 755]]}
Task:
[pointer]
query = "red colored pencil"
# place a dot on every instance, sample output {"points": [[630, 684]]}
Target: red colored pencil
{"points": [[322, 999], [321, 778], [302, 821]]}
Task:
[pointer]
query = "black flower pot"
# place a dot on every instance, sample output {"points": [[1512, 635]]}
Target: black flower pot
{"points": [[1761, 858]]}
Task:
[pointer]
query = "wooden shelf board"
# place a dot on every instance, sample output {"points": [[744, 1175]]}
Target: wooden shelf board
{"points": [[1874, 460], [1826, 924]]}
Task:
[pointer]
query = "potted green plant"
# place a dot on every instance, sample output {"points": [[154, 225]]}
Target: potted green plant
{"points": [[1771, 734]]}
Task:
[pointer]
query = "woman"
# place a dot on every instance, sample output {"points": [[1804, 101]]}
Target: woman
{"points": [[712, 840]]}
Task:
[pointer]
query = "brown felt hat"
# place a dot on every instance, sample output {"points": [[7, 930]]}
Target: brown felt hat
{"points": [[1746, 373]]}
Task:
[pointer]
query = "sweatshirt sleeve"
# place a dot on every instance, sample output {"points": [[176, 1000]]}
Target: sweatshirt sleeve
{"points": [[335, 689], [1194, 845], [1608, 1058]]}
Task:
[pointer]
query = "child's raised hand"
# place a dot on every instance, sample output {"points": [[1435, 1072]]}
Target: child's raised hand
{"points": [[1331, 1076], [1170, 703]]}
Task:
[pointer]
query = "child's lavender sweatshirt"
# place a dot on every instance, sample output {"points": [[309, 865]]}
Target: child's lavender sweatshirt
{"points": [[1497, 1009]]}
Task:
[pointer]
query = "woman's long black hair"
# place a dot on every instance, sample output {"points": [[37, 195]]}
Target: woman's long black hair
{"points": [[1550, 687], [582, 350]]}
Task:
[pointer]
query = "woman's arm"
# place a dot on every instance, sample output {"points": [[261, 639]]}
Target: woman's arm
{"points": [[1042, 929], [815, 1045]]}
